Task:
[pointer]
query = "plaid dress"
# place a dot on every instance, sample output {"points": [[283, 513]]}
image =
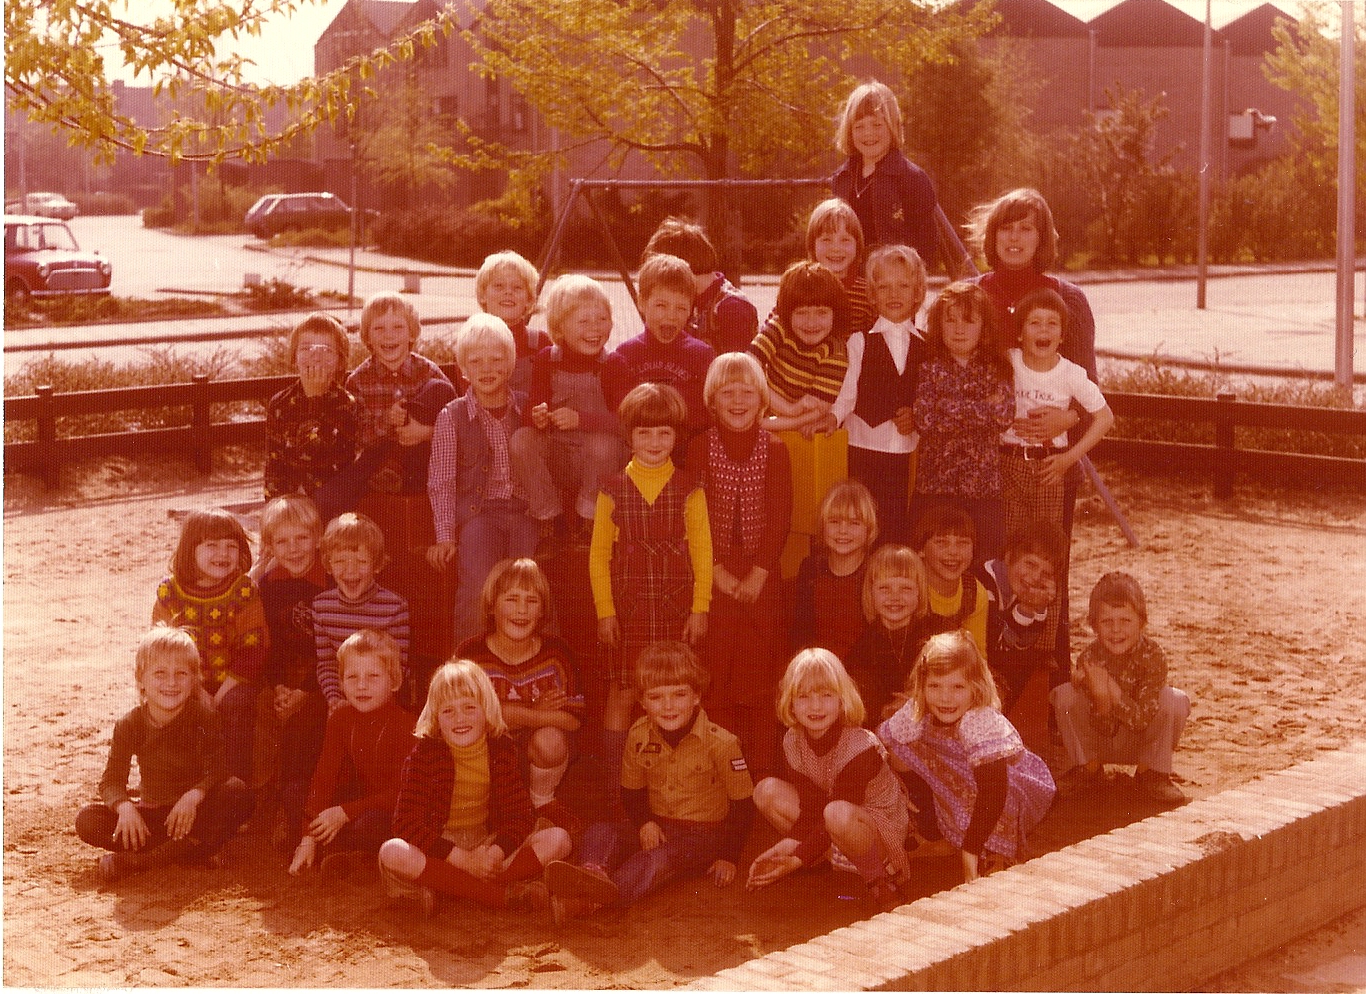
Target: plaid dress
{"points": [[652, 579]]}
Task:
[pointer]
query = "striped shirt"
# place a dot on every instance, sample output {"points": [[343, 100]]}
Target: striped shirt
{"points": [[793, 370], [337, 617]]}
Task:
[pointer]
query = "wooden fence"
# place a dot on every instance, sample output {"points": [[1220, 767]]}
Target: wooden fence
{"points": [[200, 435]]}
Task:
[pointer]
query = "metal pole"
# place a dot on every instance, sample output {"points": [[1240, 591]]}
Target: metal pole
{"points": [[355, 225], [1206, 85], [1347, 143]]}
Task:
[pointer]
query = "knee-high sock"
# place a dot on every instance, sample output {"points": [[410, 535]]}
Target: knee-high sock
{"points": [[525, 865], [443, 878], [542, 781]]}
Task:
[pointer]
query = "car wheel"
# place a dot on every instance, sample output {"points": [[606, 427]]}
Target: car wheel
{"points": [[16, 293]]}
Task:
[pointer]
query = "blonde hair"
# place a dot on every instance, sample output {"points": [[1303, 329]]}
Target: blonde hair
{"points": [[484, 329], [290, 510], [813, 668], [828, 218], [903, 255], [322, 324], [669, 664], [895, 561], [513, 574], [354, 531], [160, 642], [849, 498], [514, 261], [453, 680], [736, 367], [382, 303], [374, 644], [949, 652], [566, 295], [869, 98]]}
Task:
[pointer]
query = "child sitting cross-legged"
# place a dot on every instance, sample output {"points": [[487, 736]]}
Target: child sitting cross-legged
{"points": [[834, 796], [187, 806], [463, 819], [1118, 707], [533, 675], [351, 800], [574, 438], [686, 790], [970, 778]]}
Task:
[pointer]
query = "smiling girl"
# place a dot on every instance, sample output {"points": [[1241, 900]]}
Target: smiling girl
{"points": [[968, 774]]}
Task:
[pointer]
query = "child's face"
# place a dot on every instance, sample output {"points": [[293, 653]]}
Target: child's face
{"points": [[507, 296], [817, 708], [1032, 578], [812, 325], [587, 328], [947, 557], [871, 137], [462, 721], [895, 294], [836, 250], [666, 314], [354, 571], [895, 599], [961, 333], [672, 706], [1119, 628], [948, 696], [845, 534], [1040, 335], [1017, 241], [488, 368], [216, 560], [517, 613], [366, 683], [652, 446], [736, 405], [317, 351], [294, 547], [390, 338], [167, 685]]}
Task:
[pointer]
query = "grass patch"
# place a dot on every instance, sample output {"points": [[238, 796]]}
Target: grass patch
{"points": [[61, 311], [315, 238]]}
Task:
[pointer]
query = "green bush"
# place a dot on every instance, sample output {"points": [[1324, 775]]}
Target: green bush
{"points": [[87, 310], [103, 203], [314, 238], [276, 294], [221, 208]]}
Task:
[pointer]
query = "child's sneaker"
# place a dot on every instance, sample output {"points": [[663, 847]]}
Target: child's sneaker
{"points": [[883, 895], [527, 895], [1080, 781], [110, 868], [589, 883], [1158, 787]]}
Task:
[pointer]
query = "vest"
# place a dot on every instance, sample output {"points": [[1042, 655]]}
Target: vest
{"points": [[881, 389], [474, 459]]}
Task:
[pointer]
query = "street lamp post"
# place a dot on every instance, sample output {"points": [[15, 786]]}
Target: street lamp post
{"points": [[1346, 322]]}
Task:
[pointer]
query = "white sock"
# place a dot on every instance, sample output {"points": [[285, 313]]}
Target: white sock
{"points": [[542, 781]]}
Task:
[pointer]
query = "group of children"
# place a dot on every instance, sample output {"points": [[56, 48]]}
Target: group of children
{"points": [[838, 524]]}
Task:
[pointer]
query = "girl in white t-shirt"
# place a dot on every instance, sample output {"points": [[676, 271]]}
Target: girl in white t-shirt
{"points": [[1032, 473]]}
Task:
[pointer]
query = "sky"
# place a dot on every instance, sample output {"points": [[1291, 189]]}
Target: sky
{"points": [[284, 52]]}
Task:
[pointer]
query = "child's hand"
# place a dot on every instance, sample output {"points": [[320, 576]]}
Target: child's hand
{"points": [[1055, 468], [540, 416], [723, 580], [822, 426], [181, 819], [397, 414], [722, 872], [749, 589], [810, 402], [773, 864], [969, 867], [904, 419], [695, 628], [1037, 594], [315, 377], [329, 822], [609, 631], [335, 703], [131, 832], [483, 862], [1043, 424], [304, 855], [565, 419], [651, 835], [442, 554]]}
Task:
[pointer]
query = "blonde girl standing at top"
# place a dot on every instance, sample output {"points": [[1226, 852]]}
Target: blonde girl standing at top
{"points": [[893, 197], [968, 773], [834, 797]]}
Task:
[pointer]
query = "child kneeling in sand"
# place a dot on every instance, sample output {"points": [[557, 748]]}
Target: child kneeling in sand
{"points": [[464, 819], [188, 805], [1118, 707], [686, 790]]}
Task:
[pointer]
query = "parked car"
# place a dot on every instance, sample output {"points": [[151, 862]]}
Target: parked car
{"points": [[43, 204], [43, 260], [278, 212]]}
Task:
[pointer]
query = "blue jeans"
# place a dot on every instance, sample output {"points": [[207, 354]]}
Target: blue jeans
{"points": [[502, 530], [688, 850]]}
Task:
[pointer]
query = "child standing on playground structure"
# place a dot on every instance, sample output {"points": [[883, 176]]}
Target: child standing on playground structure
{"points": [[722, 316], [893, 197], [834, 238], [574, 438], [970, 778], [834, 796], [1118, 707], [505, 287], [875, 403], [745, 475]]}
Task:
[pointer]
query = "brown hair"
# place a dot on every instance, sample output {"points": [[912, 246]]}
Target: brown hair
{"points": [[207, 525], [681, 237], [354, 531], [1117, 589], [668, 664], [985, 221], [323, 324], [513, 574], [652, 405], [949, 652], [1044, 299], [382, 303], [971, 303], [809, 284], [943, 519], [868, 99], [827, 218], [666, 272]]}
